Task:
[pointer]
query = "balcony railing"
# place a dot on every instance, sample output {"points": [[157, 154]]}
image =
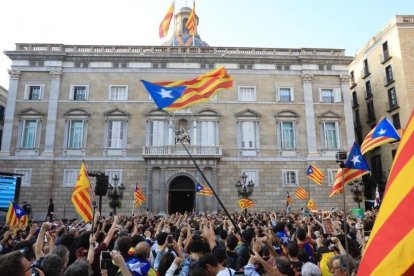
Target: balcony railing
{"points": [[178, 150]]}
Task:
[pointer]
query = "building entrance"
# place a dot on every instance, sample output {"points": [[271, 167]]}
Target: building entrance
{"points": [[181, 196]]}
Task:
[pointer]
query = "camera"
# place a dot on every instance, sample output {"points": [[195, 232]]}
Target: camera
{"points": [[106, 260], [170, 238]]}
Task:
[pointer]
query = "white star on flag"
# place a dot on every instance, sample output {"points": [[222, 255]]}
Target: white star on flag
{"points": [[355, 159], [382, 131], [18, 211], [165, 93]]}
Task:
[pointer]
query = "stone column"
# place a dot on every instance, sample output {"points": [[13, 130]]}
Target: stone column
{"points": [[52, 113], [214, 186], [309, 114], [9, 114], [162, 196], [148, 189], [349, 124]]}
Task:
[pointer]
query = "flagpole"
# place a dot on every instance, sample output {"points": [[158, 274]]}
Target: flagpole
{"points": [[342, 166]]}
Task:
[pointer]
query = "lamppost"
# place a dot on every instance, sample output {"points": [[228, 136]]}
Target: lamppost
{"points": [[244, 190], [357, 190], [115, 193]]}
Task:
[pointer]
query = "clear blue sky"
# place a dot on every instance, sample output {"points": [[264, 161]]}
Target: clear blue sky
{"points": [[240, 23]]}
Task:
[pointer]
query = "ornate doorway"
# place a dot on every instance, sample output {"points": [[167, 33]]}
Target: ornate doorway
{"points": [[181, 195]]}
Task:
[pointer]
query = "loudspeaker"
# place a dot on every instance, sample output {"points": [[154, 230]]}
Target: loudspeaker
{"points": [[101, 186]]}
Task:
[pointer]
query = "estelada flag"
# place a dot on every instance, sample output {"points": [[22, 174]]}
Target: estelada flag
{"points": [[201, 190], [173, 95], [312, 205], [384, 132], [315, 174], [301, 193], [81, 197], [355, 167], [390, 248], [192, 21], [139, 197], [16, 217], [245, 203], [166, 21]]}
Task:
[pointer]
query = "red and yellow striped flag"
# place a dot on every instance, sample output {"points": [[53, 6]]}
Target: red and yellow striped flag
{"points": [[81, 197], [390, 248], [200, 89], [166, 21], [139, 197], [245, 203], [315, 174], [312, 205], [192, 21], [301, 193]]}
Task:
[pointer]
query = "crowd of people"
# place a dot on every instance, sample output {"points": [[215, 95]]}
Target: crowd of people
{"points": [[260, 243]]}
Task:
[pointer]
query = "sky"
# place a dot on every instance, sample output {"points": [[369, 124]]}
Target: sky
{"points": [[233, 23]]}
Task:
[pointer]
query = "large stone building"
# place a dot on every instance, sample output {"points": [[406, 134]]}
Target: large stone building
{"points": [[382, 84], [288, 108], [3, 102]]}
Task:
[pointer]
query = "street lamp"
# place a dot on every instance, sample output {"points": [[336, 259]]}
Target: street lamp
{"points": [[244, 190], [115, 193]]}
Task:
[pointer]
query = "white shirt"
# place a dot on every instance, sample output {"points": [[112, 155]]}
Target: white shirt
{"points": [[226, 272]]}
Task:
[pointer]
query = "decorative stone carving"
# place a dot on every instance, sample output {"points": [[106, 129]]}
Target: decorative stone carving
{"points": [[56, 74], [307, 77], [14, 74], [182, 135], [345, 78]]}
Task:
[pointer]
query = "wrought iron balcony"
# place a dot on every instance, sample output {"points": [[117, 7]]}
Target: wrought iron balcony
{"points": [[173, 151]]}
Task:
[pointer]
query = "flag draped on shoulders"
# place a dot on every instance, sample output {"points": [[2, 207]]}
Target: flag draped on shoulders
{"points": [[390, 249], [201, 190], [166, 21], [173, 95], [16, 217], [384, 132], [245, 203], [301, 193], [192, 21], [139, 197], [315, 174], [355, 167], [81, 197]]}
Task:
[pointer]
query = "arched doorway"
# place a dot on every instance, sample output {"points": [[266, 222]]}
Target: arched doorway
{"points": [[181, 196]]}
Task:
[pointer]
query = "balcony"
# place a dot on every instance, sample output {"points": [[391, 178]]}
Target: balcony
{"points": [[178, 151]]}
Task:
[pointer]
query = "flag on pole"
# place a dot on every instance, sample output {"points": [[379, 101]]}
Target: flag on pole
{"points": [[390, 250], [173, 95], [245, 203], [377, 198], [301, 193], [384, 132], [81, 197], [16, 217], [312, 205], [201, 190], [166, 21], [139, 197], [192, 21], [289, 199], [315, 174], [355, 167]]}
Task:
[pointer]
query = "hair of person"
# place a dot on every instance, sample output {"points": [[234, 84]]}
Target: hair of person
{"points": [[248, 235], [135, 239], [197, 271], [293, 249], [142, 250], [161, 237], [165, 263], [343, 262], [303, 256], [10, 263], [196, 246], [220, 254], [27, 247], [223, 234], [52, 265], [231, 241], [208, 259], [301, 234], [310, 269], [283, 264], [62, 252], [78, 268], [67, 239], [264, 250], [280, 226], [124, 244]]}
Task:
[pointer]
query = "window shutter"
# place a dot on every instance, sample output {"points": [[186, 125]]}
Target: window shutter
{"points": [[292, 94], [337, 95], [320, 94]]}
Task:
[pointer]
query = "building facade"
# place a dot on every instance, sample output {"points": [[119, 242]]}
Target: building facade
{"points": [[288, 108], [3, 103], [381, 84]]}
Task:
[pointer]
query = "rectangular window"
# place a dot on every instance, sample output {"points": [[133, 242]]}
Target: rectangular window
{"points": [[392, 98], [352, 77], [287, 135], [34, 92], [26, 176], [376, 168], [75, 138], [290, 178], [359, 137], [79, 93], [331, 135], [252, 175], [354, 99], [330, 95], [114, 175], [371, 111], [118, 93], [385, 51], [208, 133], [366, 68], [248, 135], [388, 74], [70, 177], [29, 131], [115, 134], [368, 90], [2, 110], [247, 94], [357, 122], [331, 176], [285, 95], [396, 121], [157, 133]]}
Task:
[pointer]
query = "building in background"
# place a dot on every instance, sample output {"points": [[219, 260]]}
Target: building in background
{"points": [[3, 103], [382, 84], [288, 108]]}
